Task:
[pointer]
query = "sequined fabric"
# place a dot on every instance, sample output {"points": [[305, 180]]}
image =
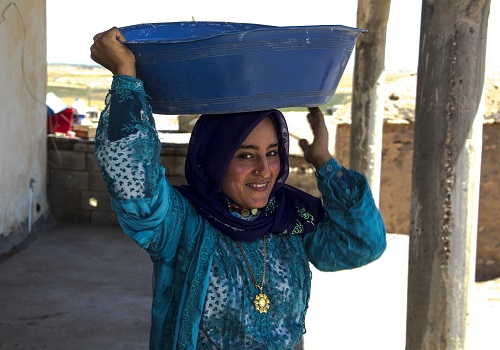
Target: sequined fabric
{"points": [[202, 290]]}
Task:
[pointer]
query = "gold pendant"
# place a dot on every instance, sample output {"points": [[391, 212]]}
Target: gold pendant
{"points": [[261, 303]]}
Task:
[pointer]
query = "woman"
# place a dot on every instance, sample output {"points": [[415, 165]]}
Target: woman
{"points": [[231, 250]]}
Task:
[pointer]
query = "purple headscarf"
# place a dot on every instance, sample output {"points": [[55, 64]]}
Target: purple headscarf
{"points": [[214, 141]]}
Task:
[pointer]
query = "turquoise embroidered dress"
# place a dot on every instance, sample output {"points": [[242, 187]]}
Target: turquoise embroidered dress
{"points": [[202, 289]]}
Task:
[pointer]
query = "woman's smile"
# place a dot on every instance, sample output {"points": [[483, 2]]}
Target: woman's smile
{"points": [[258, 185]]}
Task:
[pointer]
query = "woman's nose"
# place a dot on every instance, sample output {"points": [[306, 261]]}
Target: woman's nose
{"points": [[262, 167]]}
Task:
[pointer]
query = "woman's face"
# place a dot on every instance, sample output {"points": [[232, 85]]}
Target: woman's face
{"points": [[253, 170]]}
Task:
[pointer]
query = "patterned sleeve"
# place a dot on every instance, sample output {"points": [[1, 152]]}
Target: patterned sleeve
{"points": [[352, 233], [126, 144]]}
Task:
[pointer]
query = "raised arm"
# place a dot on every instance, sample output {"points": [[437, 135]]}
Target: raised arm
{"points": [[352, 234], [127, 145], [128, 149]]}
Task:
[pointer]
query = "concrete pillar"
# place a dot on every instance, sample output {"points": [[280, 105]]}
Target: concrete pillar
{"points": [[367, 96], [445, 173]]}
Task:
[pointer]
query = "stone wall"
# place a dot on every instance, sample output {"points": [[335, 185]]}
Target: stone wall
{"points": [[395, 188], [76, 190]]}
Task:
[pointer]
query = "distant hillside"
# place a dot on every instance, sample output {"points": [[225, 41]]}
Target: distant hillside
{"points": [[90, 83], [400, 95]]}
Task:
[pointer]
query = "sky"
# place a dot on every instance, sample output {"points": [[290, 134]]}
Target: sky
{"points": [[71, 25]]}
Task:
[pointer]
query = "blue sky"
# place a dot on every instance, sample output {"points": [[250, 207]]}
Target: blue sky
{"points": [[71, 25]]}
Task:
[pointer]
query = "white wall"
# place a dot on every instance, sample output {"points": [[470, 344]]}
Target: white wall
{"points": [[23, 79]]}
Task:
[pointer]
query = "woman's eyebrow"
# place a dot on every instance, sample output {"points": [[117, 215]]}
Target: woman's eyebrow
{"points": [[255, 147]]}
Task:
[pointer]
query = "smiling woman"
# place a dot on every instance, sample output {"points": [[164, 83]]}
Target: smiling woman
{"points": [[231, 250]]}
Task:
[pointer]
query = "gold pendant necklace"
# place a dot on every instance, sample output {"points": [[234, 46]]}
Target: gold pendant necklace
{"points": [[261, 301]]}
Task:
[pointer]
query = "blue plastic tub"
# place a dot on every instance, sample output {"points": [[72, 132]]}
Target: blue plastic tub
{"points": [[219, 67]]}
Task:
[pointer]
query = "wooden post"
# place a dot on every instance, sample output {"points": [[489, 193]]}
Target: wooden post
{"points": [[445, 174], [367, 94]]}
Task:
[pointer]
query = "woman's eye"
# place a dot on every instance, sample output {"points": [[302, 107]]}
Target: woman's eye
{"points": [[245, 156], [272, 153]]}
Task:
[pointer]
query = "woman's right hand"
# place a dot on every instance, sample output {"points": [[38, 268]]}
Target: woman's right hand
{"points": [[110, 53]]}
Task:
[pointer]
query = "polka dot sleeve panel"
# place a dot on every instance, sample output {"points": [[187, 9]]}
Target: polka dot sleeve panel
{"points": [[126, 144]]}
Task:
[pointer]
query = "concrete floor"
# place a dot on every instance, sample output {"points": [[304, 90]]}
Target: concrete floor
{"points": [[76, 287], [89, 287]]}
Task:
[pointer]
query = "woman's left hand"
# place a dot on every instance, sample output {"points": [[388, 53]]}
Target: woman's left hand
{"points": [[317, 152]]}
